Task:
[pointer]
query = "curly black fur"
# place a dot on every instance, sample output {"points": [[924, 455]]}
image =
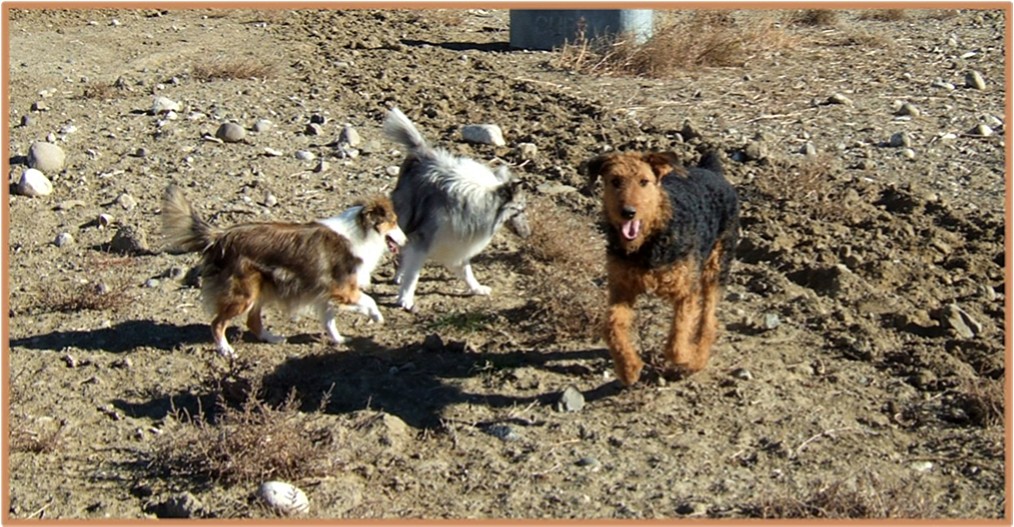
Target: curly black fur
{"points": [[705, 210]]}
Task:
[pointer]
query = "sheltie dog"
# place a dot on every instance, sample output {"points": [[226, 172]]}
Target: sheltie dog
{"points": [[290, 265]]}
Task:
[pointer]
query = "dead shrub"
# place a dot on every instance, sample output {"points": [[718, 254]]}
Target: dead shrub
{"points": [[249, 443], [238, 69], [102, 91], [982, 401], [865, 497], [39, 440], [97, 296], [884, 15], [811, 183], [815, 17], [702, 39], [564, 257]]}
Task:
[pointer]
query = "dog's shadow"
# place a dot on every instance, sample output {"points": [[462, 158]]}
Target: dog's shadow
{"points": [[120, 338], [460, 46]]}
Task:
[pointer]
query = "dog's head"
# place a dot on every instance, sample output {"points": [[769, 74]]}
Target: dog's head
{"points": [[633, 196], [378, 215], [514, 202]]}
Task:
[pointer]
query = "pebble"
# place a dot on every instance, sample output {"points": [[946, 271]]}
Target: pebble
{"points": [[26, 120], [313, 129], [755, 151], [305, 155], [152, 283], [318, 119], [922, 466], [973, 79], [527, 150], [63, 239], [909, 109], [953, 317], [571, 400], [900, 139], [34, 183], [939, 83], [551, 188], [126, 201], [262, 125], [40, 106], [838, 98], [272, 152], [164, 104], [690, 129], [742, 374], [129, 240], [104, 220], [771, 321], [981, 130], [230, 133], [502, 432], [284, 497], [270, 200], [322, 166], [590, 462], [349, 136], [70, 361], [488, 134], [393, 170], [46, 157], [808, 149], [908, 153]]}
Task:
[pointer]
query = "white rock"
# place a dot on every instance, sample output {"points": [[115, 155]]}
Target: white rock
{"points": [[305, 155], [164, 104], [488, 134], [34, 183], [64, 238], [284, 498], [528, 150], [46, 157], [981, 131], [349, 136], [262, 125], [272, 152], [973, 79]]}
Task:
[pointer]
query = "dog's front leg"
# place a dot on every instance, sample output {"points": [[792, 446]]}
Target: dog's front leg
{"points": [[327, 319], [466, 274], [619, 320], [412, 260]]}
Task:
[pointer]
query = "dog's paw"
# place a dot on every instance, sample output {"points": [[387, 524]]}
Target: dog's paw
{"points": [[271, 338], [375, 316], [339, 340], [408, 304], [226, 350], [482, 290]]}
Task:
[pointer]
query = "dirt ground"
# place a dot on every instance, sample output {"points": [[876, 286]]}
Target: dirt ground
{"points": [[860, 365]]}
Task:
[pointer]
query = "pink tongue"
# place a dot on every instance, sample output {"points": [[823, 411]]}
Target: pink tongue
{"points": [[631, 229]]}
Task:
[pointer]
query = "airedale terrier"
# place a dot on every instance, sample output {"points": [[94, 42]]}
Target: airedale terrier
{"points": [[671, 231]]}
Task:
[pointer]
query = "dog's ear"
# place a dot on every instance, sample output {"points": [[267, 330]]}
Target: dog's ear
{"points": [[503, 174], [376, 211], [593, 168], [662, 163]]}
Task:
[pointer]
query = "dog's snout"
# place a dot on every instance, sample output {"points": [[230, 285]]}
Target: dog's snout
{"points": [[628, 212]]}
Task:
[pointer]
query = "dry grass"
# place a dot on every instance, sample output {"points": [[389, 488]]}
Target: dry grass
{"points": [[983, 401], [815, 17], [45, 439], [810, 183], [701, 39], [246, 444], [866, 497], [97, 296], [238, 69], [102, 91], [884, 15], [565, 259]]}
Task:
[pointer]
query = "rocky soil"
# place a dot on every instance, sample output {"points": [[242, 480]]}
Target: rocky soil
{"points": [[860, 366]]}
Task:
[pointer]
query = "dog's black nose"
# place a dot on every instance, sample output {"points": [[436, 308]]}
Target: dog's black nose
{"points": [[628, 212]]}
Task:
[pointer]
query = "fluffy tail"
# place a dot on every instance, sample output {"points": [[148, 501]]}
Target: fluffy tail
{"points": [[400, 129], [182, 226]]}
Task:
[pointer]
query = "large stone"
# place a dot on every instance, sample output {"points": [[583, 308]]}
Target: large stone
{"points": [[46, 157]]}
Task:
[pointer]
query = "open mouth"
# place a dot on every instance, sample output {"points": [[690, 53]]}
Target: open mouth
{"points": [[392, 245], [631, 229]]}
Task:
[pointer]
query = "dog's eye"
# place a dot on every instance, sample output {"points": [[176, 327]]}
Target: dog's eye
{"points": [[644, 182], [616, 182]]}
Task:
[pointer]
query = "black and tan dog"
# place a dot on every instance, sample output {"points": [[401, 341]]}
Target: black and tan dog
{"points": [[670, 231]]}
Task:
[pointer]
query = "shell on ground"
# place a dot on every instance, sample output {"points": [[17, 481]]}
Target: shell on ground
{"points": [[284, 498]]}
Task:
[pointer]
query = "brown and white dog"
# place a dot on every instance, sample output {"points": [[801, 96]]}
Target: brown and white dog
{"points": [[290, 265]]}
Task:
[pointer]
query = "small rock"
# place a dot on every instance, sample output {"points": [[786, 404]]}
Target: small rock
{"points": [[571, 400], [26, 120], [104, 220], [908, 153], [164, 104], [123, 364], [922, 466], [900, 139], [974, 80], [40, 106], [262, 125], [527, 150], [838, 98], [126, 201], [34, 183], [393, 170], [742, 374], [981, 130], [305, 155], [953, 317], [590, 462], [230, 133], [755, 151], [940, 83], [271, 152], [46, 157], [129, 240], [909, 109], [349, 136], [322, 166], [808, 149], [318, 119], [487, 134], [502, 432], [63, 239], [152, 283], [313, 129], [690, 129], [551, 188], [771, 321], [70, 361]]}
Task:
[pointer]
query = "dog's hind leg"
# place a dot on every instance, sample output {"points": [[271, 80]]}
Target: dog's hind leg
{"points": [[412, 260], [256, 325], [464, 271], [227, 312], [326, 315]]}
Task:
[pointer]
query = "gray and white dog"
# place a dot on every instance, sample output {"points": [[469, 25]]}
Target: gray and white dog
{"points": [[449, 207]]}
